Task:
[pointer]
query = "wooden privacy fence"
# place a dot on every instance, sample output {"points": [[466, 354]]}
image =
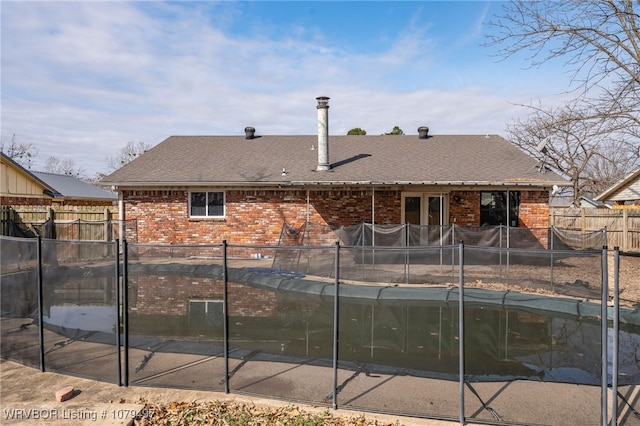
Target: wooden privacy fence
{"points": [[622, 225], [89, 223]]}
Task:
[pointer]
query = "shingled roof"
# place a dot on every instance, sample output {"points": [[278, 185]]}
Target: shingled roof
{"points": [[276, 161]]}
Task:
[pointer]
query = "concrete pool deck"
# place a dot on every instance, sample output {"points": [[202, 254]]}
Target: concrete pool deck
{"points": [[98, 403], [26, 391]]}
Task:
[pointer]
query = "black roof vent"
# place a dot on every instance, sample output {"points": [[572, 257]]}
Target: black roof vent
{"points": [[249, 133], [423, 132]]}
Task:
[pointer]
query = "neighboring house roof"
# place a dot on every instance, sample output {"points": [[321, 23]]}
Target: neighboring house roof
{"points": [[66, 186], [590, 203], [355, 160], [47, 189], [625, 190]]}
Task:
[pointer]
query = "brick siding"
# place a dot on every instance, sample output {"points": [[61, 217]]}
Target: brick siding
{"points": [[534, 214], [257, 217], [24, 201], [464, 208]]}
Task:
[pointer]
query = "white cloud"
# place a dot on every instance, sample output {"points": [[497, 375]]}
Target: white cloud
{"points": [[81, 79]]}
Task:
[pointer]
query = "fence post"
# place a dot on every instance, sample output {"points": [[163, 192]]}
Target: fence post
{"points": [[125, 307], [107, 224], [118, 312], [225, 317], [461, 327], [625, 230], [615, 343], [500, 251], [551, 236], [12, 220], [335, 325], [40, 303], [603, 337], [51, 216]]}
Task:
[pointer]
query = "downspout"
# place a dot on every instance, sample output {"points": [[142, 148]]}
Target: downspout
{"points": [[373, 204], [308, 207], [508, 218], [121, 227], [373, 215]]}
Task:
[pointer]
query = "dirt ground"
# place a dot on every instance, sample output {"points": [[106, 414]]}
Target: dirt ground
{"points": [[572, 278], [629, 277]]}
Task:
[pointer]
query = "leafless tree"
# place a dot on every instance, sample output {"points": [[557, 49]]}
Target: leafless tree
{"points": [[593, 139], [63, 167], [20, 152], [575, 141], [599, 40], [128, 153]]}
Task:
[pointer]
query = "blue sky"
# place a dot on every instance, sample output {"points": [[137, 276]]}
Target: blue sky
{"points": [[80, 79]]}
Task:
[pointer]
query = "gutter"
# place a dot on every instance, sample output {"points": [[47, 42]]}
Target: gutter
{"points": [[280, 184]]}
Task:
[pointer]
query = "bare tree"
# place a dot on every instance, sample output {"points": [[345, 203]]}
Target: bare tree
{"points": [[600, 40], [575, 141], [20, 152], [611, 162], [63, 167], [128, 153], [593, 139]]}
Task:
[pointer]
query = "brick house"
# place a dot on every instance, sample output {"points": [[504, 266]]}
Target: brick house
{"points": [[206, 189]]}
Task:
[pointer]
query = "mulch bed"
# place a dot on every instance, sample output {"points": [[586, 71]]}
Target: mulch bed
{"points": [[226, 413]]}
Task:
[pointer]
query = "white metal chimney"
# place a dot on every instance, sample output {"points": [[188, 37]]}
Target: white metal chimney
{"points": [[323, 133]]}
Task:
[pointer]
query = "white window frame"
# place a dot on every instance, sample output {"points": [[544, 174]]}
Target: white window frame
{"points": [[424, 208], [207, 216]]}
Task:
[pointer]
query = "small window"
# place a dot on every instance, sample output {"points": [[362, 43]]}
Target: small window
{"points": [[499, 208], [206, 204]]}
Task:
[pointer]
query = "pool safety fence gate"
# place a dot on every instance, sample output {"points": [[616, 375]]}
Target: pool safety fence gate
{"points": [[469, 341]]}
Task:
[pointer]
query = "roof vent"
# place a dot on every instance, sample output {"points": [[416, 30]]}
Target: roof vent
{"points": [[249, 133], [423, 132]]}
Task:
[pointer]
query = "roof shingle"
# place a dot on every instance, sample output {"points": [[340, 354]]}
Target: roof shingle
{"points": [[234, 160]]}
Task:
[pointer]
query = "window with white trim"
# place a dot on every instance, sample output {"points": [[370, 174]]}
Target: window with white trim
{"points": [[206, 204]]}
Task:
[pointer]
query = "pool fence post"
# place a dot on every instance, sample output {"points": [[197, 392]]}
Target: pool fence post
{"points": [[616, 329], [335, 325], [407, 258], [551, 247], [453, 250], [461, 327], [125, 308], [500, 252], [118, 311], [225, 317], [508, 247], [603, 337], [40, 303]]}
